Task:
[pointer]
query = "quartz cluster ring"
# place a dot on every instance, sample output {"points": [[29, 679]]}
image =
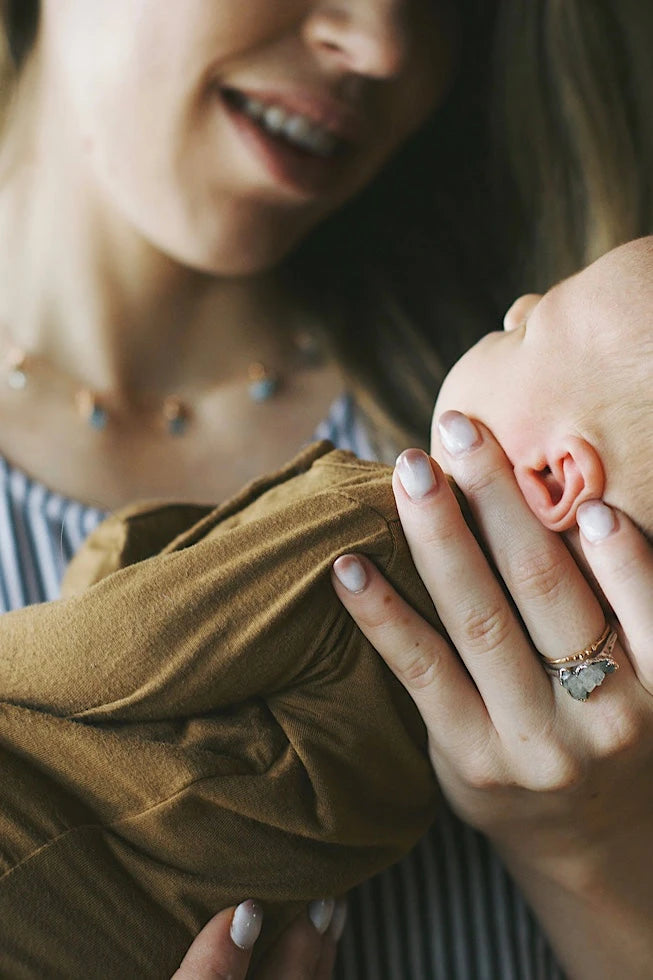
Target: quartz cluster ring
{"points": [[580, 673]]}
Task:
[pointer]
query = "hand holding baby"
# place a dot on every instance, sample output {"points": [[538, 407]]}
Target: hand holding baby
{"points": [[562, 788]]}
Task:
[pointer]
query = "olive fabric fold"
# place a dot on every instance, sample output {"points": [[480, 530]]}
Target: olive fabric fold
{"points": [[198, 721]]}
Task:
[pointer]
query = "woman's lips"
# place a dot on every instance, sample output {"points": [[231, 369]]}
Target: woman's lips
{"points": [[313, 162]]}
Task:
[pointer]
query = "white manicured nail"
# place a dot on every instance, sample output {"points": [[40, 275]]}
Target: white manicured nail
{"points": [[596, 520], [320, 913], [246, 924], [416, 473], [457, 434], [349, 570]]}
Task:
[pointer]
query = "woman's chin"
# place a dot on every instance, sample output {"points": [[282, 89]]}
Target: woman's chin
{"points": [[208, 258], [257, 252]]}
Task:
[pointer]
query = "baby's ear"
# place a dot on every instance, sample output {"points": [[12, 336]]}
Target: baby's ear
{"points": [[571, 473]]}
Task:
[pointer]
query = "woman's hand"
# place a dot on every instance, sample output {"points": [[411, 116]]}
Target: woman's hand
{"points": [[305, 951], [563, 788]]}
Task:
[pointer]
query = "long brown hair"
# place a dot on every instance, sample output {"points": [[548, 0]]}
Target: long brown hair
{"points": [[540, 160]]}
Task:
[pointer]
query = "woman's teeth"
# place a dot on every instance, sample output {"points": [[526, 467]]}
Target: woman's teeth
{"points": [[297, 130]]}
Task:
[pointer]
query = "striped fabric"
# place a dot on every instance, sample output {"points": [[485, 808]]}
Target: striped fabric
{"points": [[39, 533], [345, 427], [446, 912]]}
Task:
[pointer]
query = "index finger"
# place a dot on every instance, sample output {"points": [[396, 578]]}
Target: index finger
{"points": [[621, 560], [307, 949], [224, 946], [469, 598]]}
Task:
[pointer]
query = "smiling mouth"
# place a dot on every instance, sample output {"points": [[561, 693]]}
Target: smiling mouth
{"points": [[290, 128]]}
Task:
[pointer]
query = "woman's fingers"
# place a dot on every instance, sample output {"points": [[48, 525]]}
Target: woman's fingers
{"points": [[553, 601], [622, 562], [469, 599], [307, 949], [420, 658], [223, 948], [557, 606]]}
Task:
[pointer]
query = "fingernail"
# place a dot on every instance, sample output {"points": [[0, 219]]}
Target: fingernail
{"points": [[320, 913], [457, 433], [350, 571], [246, 924], [416, 473], [596, 520], [339, 919]]}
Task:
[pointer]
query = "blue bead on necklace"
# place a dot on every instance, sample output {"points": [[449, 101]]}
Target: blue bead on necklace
{"points": [[262, 384]]}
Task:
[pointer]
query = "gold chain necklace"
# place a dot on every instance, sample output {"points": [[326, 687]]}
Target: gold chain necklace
{"points": [[171, 413]]}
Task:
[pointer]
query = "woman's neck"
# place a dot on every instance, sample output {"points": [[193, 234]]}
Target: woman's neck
{"points": [[81, 287], [110, 313], [96, 305]]}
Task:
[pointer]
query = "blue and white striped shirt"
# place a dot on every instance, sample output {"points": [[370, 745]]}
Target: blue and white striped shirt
{"points": [[448, 911]]}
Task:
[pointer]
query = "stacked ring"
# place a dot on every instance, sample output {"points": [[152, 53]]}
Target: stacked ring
{"points": [[580, 673]]}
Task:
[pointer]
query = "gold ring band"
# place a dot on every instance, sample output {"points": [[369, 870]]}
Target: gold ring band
{"points": [[582, 672], [587, 653]]}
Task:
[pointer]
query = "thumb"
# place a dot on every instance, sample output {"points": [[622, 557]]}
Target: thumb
{"points": [[224, 946]]}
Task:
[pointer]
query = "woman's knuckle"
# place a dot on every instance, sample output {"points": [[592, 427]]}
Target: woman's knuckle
{"points": [[479, 483], [378, 611], [486, 628], [482, 781], [620, 732], [538, 574], [437, 524], [558, 771], [419, 667], [626, 566], [441, 534], [481, 775], [564, 773]]}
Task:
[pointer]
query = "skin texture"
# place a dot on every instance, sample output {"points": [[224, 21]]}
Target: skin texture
{"points": [[168, 227], [302, 953], [123, 165], [561, 788], [565, 388], [142, 187], [174, 166]]}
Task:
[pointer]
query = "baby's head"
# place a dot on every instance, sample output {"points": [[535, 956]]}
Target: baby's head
{"points": [[568, 391]]}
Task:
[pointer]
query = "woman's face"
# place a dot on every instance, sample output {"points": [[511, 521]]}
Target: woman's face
{"points": [[223, 130]]}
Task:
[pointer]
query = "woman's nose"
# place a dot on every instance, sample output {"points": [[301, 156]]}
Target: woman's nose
{"points": [[366, 37]]}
